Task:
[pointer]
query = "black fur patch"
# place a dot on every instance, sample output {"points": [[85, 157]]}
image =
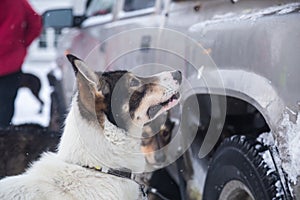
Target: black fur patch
{"points": [[135, 100], [117, 115]]}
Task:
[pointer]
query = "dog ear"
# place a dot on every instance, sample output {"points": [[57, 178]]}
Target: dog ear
{"points": [[91, 77], [82, 70], [90, 88]]}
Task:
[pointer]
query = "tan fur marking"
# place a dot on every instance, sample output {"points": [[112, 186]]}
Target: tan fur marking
{"points": [[149, 153], [100, 107], [148, 149]]}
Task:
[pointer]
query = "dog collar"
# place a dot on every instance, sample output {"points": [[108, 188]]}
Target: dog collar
{"points": [[121, 174]]}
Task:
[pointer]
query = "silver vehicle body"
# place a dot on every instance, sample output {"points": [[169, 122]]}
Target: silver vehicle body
{"points": [[253, 44]]}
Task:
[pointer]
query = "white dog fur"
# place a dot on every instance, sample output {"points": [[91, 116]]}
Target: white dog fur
{"points": [[61, 175]]}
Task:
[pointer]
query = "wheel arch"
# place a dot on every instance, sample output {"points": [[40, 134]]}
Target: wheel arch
{"points": [[240, 86], [250, 87]]}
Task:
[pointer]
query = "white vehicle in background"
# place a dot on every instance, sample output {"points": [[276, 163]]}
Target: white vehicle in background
{"points": [[240, 60]]}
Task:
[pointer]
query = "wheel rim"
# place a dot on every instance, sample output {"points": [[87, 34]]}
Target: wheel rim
{"points": [[236, 190]]}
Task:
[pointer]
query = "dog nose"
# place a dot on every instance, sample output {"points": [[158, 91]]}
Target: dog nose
{"points": [[177, 75], [160, 157]]}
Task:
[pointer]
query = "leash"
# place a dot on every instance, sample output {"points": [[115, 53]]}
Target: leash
{"points": [[121, 174]]}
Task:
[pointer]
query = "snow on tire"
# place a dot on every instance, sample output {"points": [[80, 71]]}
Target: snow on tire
{"points": [[238, 171]]}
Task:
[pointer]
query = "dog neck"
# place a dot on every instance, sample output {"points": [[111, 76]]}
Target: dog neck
{"points": [[85, 143]]}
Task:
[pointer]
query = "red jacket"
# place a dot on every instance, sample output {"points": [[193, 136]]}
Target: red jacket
{"points": [[19, 26]]}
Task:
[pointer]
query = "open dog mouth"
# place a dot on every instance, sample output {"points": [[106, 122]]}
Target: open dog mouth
{"points": [[166, 105]]}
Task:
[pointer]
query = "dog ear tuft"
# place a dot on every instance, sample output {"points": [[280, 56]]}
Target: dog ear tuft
{"points": [[72, 59], [80, 68]]}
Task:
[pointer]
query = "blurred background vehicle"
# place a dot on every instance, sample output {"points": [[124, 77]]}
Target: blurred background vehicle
{"points": [[251, 105]]}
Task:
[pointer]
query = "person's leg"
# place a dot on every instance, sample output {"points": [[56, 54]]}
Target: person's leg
{"points": [[8, 92]]}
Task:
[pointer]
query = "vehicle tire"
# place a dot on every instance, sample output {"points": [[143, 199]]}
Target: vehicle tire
{"points": [[238, 172]]}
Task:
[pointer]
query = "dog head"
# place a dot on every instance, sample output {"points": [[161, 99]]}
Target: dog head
{"points": [[156, 136], [126, 100]]}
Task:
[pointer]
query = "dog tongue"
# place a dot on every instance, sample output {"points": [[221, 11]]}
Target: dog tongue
{"points": [[153, 110], [171, 104]]}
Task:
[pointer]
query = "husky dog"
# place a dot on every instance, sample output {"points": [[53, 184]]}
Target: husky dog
{"points": [[101, 143], [156, 136]]}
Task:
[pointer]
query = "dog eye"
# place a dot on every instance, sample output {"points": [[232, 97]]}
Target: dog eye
{"points": [[134, 82], [165, 133]]}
